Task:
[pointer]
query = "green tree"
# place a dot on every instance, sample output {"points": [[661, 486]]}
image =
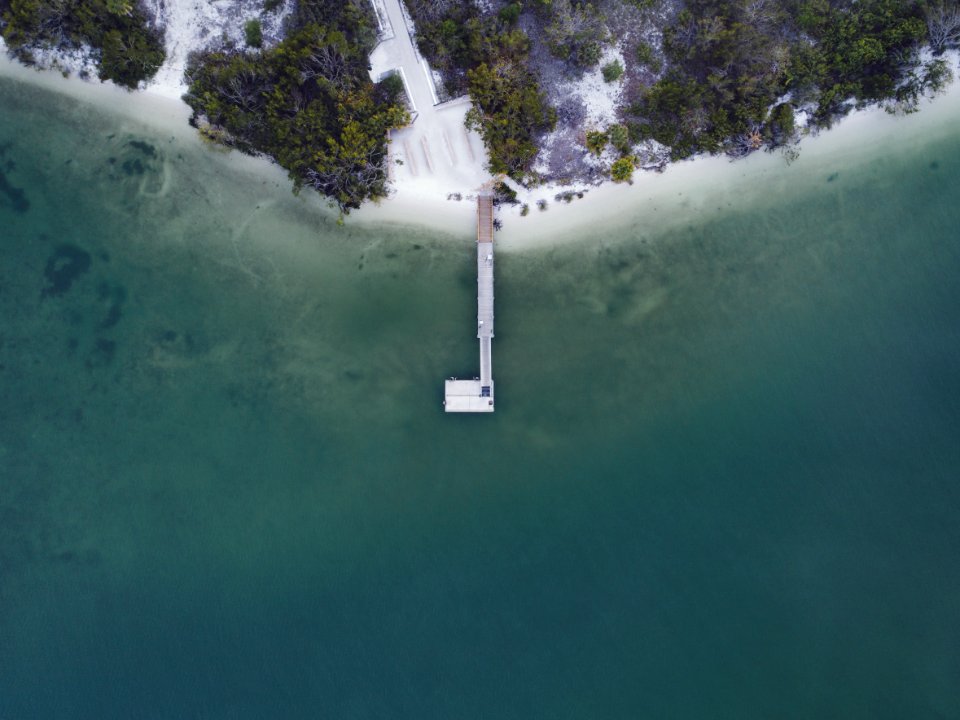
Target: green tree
{"points": [[129, 49], [510, 13], [310, 104], [119, 7], [782, 123], [509, 110], [128, 58], [730, 61], [575, 31]]}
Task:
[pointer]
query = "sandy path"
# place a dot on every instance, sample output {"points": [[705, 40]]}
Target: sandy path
{"points": [[437, 155]]}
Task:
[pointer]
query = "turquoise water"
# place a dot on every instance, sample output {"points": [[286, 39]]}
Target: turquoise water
{"points": [[721, 481]]}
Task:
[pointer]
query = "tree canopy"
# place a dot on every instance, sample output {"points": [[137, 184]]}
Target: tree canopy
{"points": [[731, 60], [308, 103], [487, 56], [129, 49]]}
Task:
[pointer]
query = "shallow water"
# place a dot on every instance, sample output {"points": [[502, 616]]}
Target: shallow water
{"points": [[721, 480]]}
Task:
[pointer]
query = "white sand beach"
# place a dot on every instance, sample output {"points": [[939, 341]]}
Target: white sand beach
{"points": [[439, 194], [684, 192]]}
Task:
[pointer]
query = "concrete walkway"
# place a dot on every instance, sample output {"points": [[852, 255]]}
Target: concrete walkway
{"points": [[436, 152], [476, 395]]}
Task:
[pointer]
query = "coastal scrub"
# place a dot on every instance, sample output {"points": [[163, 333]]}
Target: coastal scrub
{"points": [[127, 47], [622, 170], [730, 61], [308, 103], [487, 56]]}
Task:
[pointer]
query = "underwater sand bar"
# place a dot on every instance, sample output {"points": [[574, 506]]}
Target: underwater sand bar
{"points": [[477, 395]]}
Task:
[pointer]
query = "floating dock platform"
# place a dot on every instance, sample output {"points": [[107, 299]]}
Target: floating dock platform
{"points": [[476, 395]]}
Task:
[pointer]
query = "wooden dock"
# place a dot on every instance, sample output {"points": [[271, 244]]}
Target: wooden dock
{"points": [[476, 395]]}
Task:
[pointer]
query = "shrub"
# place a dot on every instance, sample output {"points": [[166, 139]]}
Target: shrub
{"points": [[612, 71], [646, 56], [253, 33], [328, 128], [509, 111], [575, 32], [644, 53], [596, 141], [510, 13], [622, 170], [503, 193], [782, 122], [588, 54], [130, 50], [619, 137]]}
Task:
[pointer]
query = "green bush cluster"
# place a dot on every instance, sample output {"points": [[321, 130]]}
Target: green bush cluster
{"points": [[308, 103], [619, 138], [862, 52], [730, 60], [130, 50], [596, 141], [487, 58], [612, 71], [509, 111], [253, 33], [575, 31], [454, 37], [622, 169], [646, 56]]}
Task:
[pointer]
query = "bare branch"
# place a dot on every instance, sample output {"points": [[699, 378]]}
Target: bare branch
{"points": [[943, 26]]}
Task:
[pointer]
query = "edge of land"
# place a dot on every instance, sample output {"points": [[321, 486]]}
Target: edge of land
{"points": [[683, 192]]}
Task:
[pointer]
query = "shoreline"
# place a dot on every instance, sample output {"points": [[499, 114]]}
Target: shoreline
{"points": [[688, 190], [683, 192]]}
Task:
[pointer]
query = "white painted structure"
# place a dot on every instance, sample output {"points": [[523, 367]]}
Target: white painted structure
{"points": [[436, 154], [477, 395]]}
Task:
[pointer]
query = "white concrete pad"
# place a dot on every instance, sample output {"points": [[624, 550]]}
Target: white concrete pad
{"points": [[465, 396]]}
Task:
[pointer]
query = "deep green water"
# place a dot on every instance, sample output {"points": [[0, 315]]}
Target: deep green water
{"points": [[721, 482]]}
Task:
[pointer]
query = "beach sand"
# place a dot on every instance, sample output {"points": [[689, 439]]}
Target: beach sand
{"points": [[685, 192]]}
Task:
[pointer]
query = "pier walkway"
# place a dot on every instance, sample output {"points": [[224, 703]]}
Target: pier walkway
{"points": [[477, 395]]}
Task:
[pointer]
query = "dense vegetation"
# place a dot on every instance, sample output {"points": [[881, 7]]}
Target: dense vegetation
{"points": [[698, 75], [575, 30], [732, 61], [129, 49], [308, 102], [487, 57], [725, 76]]}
